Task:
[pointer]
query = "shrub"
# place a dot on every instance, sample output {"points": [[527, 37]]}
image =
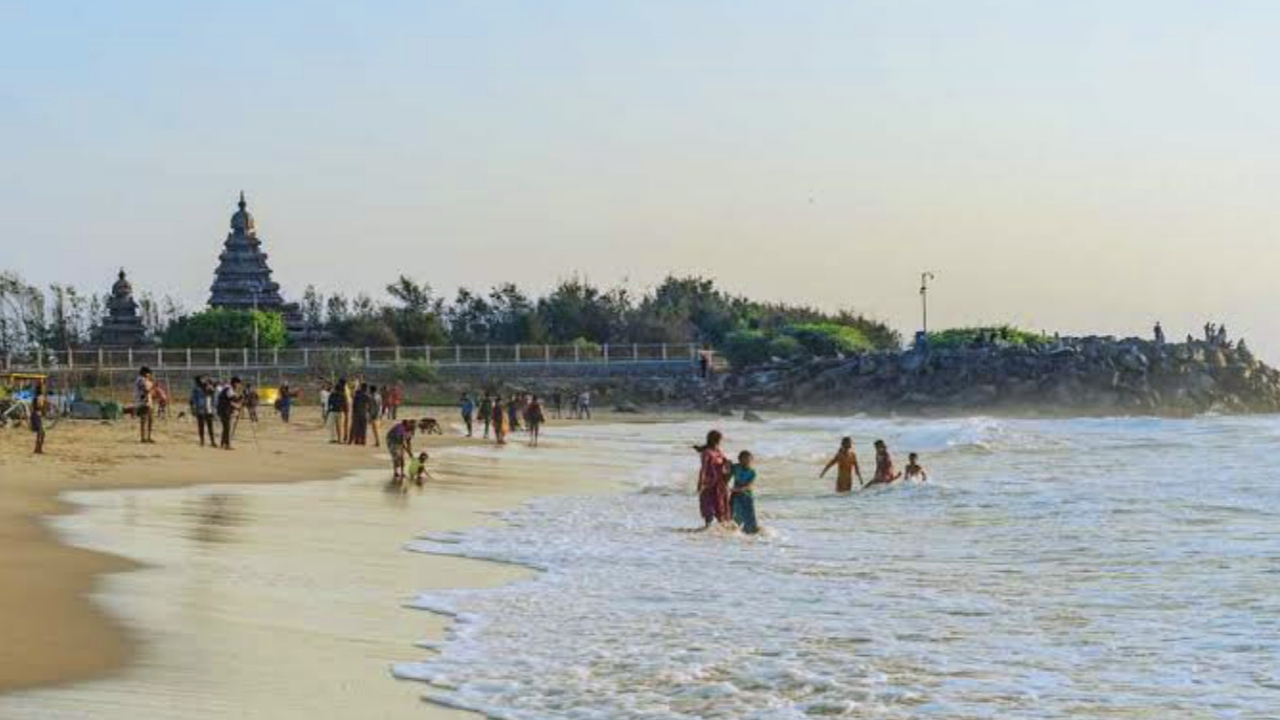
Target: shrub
{"points": [[417, 371], [746, 347], [830, 339], [962, 337]]}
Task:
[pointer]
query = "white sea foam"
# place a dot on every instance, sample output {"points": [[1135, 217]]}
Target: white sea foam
{"points": [[1058, 569]]}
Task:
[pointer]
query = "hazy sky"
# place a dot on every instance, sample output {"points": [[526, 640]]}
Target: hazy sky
{"points": [[1065, 166]]}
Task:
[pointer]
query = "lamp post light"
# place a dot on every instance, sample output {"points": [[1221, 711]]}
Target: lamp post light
{"points": [[925, 277]]}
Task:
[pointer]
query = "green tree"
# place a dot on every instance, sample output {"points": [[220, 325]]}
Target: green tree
{"points": [[220, 327]]}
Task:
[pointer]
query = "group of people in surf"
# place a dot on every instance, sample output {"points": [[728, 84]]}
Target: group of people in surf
{"points": [[726, 489]]}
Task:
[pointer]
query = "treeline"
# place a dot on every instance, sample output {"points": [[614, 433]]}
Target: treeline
{"points": [[678, 310], [60, 317]]}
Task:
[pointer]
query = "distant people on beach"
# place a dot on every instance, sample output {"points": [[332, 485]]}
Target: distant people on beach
{"points": [[144, 389], [39, 408], [251, 400], [326, 391], [498, 417], [467, 408], [375, 415], [704, 364], [359, 416], [584, 405], [486, 413], [228, 408], [202, 406], [284, 401], [846, 464], [534, 418]]}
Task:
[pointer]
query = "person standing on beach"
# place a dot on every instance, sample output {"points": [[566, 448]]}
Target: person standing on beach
{"points": [[228, 405], [325, 391], [39, 408], [144, 390], [486, 413], [343, 391], [584, 404], [284, 403], [846, 462], [334, 414], [394, 397], [534, 418], [202, 402], [359, 416], [375, 414], [468, 409], [499, 421], [513, 414], [713, 477], [251, 401]]}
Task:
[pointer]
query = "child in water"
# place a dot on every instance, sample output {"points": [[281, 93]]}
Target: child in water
{"points": [[742, 499], [846, 461], [418, 469], [914, 470], [885, 472]]}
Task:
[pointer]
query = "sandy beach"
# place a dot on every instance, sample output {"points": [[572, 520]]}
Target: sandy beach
{"points": [[115, 616]]}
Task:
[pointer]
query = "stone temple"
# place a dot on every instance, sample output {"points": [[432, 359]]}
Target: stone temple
{"points": [[243, 278], [122, 327]]}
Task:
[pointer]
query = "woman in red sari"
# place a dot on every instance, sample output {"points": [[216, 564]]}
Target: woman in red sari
{"points": [[713, 480]]}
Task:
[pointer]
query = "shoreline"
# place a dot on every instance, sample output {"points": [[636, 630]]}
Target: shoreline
{"points": [[45, 630], [61, 637]]}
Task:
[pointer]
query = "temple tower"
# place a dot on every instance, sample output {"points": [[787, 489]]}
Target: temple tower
{"points": [[122, 327], [243, 278]]}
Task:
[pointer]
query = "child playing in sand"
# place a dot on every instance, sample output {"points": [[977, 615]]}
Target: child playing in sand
{"points": [[846, 461], [914, 470], [742, 499], [885, 473]]}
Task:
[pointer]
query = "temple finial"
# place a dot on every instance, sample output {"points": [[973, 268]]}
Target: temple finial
{"points": [[242, 202]]}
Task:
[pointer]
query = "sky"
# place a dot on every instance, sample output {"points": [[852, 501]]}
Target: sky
{"points": [[1082, 167]]}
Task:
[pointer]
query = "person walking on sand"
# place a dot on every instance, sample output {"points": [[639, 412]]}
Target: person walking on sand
{"points": [[39, 408], [486, 413], [534, 417], [513, 413], [584, 405], [251, 401], [144, 391], [885, 472], [742, 500], [284, 403], [202, 401], [846, 463], [228, 406], [713, 476], [335, 416], [326, 390], [467, 408]]}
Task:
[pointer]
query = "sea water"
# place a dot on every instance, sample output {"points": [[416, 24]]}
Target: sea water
{"points": [[1113, 568]]}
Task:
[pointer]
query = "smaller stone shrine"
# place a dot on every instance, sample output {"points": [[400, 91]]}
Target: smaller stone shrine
{"points": [[122, 326]]}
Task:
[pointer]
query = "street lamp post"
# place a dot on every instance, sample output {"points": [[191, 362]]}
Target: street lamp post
{"points": [[925, 277]]}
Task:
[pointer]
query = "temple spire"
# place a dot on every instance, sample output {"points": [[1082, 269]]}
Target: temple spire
{"points": [[243, 204]]}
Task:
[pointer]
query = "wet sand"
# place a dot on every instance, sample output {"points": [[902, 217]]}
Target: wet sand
{"points": [[246, 601]]}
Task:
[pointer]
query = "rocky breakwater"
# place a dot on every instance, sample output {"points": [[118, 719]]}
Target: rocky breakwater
{"points": [[1077, 376]]}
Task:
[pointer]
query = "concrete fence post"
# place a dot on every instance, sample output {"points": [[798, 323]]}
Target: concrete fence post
{"points": [[188, 358], [275, 357], [306, 358], [397, 354], [635, 352], [576, 353], [245, 351], [486, 355], [101, 358], [366, 357], [606, 353], [129, 355], [664, 352], [457, 354], [426, 354], [517, 353], [217, 358], [546, 353]]}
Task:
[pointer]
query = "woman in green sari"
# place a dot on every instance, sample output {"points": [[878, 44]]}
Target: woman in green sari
{"points": [[742, 499]]}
